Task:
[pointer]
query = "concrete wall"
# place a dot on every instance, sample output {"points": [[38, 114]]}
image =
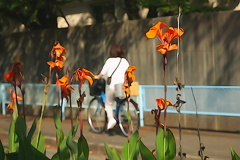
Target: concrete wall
{"points": [[191, 121], [209, 50]]}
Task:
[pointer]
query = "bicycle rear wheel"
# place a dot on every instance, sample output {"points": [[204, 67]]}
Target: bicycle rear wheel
{"points": [[124, 124], [97, 117]]}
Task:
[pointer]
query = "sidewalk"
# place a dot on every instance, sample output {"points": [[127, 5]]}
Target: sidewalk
{"points": [[217, 143]]}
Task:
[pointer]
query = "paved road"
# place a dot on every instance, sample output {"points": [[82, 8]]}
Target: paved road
{"points": [[217, 143]]}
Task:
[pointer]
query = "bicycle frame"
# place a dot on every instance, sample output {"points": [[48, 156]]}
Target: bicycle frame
{"points": [[102, 99], [121, 114]]}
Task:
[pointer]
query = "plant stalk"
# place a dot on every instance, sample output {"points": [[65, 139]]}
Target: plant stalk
{"points": [[71, 112], [46, 88], [198, 131], [165, 93]]}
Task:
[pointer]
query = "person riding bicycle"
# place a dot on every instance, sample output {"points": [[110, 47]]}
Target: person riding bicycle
{"points": [[114, 67]]}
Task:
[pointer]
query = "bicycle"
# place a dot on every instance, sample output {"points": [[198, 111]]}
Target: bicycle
{"points": [[97, 116]]}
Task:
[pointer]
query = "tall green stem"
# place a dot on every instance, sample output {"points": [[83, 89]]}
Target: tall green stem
{"points": [[180, 134], [165, 100], [24, 113], [198, 130], [80, 109], [47, 81], [165, 93], [71, 112]]}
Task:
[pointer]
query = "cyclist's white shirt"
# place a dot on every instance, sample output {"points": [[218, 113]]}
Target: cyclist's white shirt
{"points": [[109, 67]]}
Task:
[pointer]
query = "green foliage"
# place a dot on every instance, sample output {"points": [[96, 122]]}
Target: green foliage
{"points": [[58, 126], [63, 152], [130, 149], [169, 8], [40, 145], [112, 153], [128, 116], [33, 14], [145, 152], [234, 154], [32, 130], [83, 149], [22, 149], [79, 150], [2, 153], [165, 146], [13, 139]]}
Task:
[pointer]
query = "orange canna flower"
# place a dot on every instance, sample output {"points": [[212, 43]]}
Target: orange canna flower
{"points": [[161, 103], [172, 33], [16, 73], [165, 37], [66, 88], [62, 80], [58, 51], [165, 48], [13, 99], [10, 106], [58, 65], [82, 74], [129, 78], [157, 30], [9, 76], [130, 73]]}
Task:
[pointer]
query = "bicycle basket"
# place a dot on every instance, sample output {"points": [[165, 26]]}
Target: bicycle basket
{"points": [[97, 87]]}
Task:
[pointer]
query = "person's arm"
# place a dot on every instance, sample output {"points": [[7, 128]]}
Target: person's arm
{"points": [[104, 70], [98, 76]]}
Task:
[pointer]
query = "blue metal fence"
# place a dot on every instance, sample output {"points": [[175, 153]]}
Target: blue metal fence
{"points": [[211, 100]]}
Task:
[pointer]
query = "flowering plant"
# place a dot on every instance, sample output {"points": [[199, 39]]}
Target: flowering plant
{"points": [[165, 141], [23, 145]]}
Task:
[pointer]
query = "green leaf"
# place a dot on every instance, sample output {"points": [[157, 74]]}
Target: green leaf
{"points": [[131, 149], [12, 156], [160, 145], [63, 150], [128, 116], [12, 137], [32, 130], [133, 145], [58, 125], [112, 153], [25, 147], [165, 147], [21, 127], [234, 154], [72, 145], [145, 152], [40, 146], [83, 147], [55, 157], [125, 153], [2, 153], [82, 157], [39, 155], [75, 128], [171, 145]]}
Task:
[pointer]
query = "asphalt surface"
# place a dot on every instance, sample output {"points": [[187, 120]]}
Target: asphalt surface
{"points": [[217, 144]]}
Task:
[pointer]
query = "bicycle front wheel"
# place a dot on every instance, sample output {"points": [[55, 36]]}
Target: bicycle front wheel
{"points": [[97, 117], [128, 117]]}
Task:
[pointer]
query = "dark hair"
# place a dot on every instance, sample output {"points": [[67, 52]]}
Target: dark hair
{"points": [[116, 51]]}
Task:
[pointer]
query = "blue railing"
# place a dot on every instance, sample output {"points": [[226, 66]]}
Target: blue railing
{"points": [[210, 100]]}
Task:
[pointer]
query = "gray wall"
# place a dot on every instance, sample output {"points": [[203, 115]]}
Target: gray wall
{"points": [[209, 50]]}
